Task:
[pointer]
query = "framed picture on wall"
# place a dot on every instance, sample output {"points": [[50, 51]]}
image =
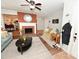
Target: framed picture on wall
{"points": [[55, 21]]}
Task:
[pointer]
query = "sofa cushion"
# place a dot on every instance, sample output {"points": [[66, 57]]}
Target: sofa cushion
{"points": [[46, 30], [53, 31], [4, 34]]}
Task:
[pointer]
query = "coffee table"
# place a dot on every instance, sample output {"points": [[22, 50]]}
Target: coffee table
{"points": [[24, 45]]}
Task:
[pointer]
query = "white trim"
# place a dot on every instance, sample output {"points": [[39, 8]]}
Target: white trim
{"points": [[27, 24]]}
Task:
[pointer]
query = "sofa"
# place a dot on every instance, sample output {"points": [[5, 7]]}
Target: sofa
{"points": [[6, 39], [51, 36]]}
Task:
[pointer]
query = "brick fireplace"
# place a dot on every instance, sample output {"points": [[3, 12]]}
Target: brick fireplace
{"points": [[29, 28]]}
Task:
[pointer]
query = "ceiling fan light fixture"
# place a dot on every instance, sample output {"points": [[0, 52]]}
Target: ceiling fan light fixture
{"points": [[32, 6], [28, 0]]}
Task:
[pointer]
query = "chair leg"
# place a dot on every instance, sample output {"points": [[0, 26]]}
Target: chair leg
{"points": [[55, 46]]}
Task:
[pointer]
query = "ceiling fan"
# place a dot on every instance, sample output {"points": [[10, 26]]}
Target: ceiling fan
{"points": [[32, 5]]}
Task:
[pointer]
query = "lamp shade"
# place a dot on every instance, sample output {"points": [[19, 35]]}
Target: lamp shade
{"points": [[27, 18]]}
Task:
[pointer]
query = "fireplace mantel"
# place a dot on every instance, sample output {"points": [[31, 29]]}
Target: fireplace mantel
{"points": [[27, 25]]}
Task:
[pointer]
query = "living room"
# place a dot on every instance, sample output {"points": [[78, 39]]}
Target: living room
{"points": [[40, 25]]}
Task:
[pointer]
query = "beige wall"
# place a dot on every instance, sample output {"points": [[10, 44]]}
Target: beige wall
{"points": [[40, 23], [56, 15]]}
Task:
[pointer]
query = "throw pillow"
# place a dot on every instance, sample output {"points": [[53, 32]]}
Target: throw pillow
{"points": [[4, 34], [46, 30]]}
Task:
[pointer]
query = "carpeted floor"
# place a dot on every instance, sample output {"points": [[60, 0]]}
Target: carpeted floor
{"points": [[36, 51]]}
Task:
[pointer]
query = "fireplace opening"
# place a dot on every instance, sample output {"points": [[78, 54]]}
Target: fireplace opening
{"points": [[28, 30]]}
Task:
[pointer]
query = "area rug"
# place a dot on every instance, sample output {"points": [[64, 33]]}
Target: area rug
{"points": [[36, 51]]}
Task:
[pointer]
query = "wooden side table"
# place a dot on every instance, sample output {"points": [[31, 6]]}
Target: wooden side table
{"points": [[55, 37], [16, 34]]}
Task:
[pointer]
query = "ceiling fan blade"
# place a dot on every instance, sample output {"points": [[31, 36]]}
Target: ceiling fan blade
{"points": [[37, 8], [38, 4], [28, 1]]}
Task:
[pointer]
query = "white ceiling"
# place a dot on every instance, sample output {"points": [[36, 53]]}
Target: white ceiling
{"points": [[48, 6]]}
